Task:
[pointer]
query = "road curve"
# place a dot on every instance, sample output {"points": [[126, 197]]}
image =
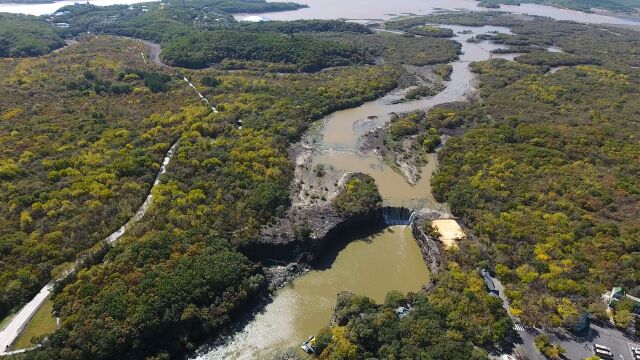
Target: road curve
{"points": [[154, 56], [17, 324]]}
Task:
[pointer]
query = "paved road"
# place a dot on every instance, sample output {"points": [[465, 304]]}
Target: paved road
{"points": [[11, 332], [17, 324], [577, 347]]}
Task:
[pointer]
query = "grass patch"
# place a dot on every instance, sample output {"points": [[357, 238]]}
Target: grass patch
{"points": [[42, 323], [4, 322]]}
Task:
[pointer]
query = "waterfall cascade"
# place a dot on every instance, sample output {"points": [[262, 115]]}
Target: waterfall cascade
{"points": [[396, 215]]}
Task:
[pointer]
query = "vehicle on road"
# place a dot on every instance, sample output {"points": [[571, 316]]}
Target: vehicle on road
{"points": [[604, 354]]}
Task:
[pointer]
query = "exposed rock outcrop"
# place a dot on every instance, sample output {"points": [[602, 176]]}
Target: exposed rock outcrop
{"points": [[279, 275], [305, 231], [430, 247]]}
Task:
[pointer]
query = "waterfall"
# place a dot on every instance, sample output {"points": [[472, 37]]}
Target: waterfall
{"points": [[412, 217], [396, 215]]}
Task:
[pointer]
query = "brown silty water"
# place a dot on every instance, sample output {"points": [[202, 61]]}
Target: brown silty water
{"points": [[370, 263], [342, 130]]}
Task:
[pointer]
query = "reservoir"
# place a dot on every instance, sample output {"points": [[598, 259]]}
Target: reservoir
{"points": [[367, 10], [362, 10]]}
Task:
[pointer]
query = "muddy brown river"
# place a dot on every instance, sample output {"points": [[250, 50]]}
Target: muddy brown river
{"points": [[343, 130], [371, 263]]}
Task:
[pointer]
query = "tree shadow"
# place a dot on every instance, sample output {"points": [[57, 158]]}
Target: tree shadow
{"points": [[339, 242], [240, 318]]}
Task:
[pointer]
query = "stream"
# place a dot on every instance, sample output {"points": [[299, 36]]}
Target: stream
{"points": [[369, 262]]}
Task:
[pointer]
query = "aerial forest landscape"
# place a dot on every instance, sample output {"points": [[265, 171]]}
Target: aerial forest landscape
{"points": [[251, 179]]}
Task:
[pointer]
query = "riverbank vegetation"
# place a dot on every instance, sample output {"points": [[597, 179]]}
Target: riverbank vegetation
{"points": [[546, 180], [456, 321], [408, 139], [24, 35], [358, 196], [416, 25]]}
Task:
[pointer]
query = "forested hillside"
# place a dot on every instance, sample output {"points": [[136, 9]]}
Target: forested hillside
{"points": [[549, 184], [544, 169], [203, 49], [80, 149], [407, 50], [204, 34], [23, 35], [83, 133]]}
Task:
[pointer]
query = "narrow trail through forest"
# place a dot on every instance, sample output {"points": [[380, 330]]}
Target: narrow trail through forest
{"points": [[14, 328]]}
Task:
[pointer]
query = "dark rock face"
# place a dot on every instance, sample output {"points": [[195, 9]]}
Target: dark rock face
{"points": [[304, 232], [279, 275], [431, 252]]}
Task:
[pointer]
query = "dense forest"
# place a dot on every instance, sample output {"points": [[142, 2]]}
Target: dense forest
{"points": [[75, 171], [406, 50], [548, 182], [203, 49], [203, 34], [79, 152], [304, 26], [545, 173], [23, 35], [416, 26]]}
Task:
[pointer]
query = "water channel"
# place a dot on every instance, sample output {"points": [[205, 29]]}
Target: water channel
{"points": [[370, 262]]}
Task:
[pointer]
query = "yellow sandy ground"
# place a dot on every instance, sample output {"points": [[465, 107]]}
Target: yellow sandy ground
{"points": [[450, 232]]}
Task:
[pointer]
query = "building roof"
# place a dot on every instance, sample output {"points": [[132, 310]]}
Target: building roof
{"points": [[488, 281]]}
